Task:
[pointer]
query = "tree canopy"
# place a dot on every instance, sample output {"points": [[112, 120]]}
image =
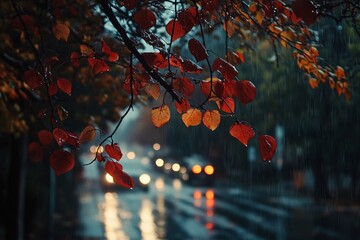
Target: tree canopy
{"points": [[67, 66]]}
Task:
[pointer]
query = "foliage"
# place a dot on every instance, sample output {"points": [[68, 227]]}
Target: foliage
{"points": [[66, 64]]}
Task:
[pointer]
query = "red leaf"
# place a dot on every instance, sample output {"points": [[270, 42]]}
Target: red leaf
{"points": [[113, 167], [145, 18], [112, 56], [98, 65], [74, 57], [73, 139], [190, 67], [129, 4], [52, 89], [197, 49], [183, 86], [114, 151], [124, 180], [177, 28], [245, 91], [33, 79], [227, 105], [36, 152], [207, 87], [61, 161], [60, 136], [267, 147], [87, 134], [64, 85], [210, 5], [187, 20], [183, 106], [45, 137], [227, 70], [242, 132], [306, 10]]}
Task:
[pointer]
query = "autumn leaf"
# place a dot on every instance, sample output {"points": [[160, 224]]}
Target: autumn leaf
{"points": [[306, 10], [192, 117], [190, 67], [73, 139], [211, 119], [61, 161], [267, 147], [153, 89], [183, 106], [145, 18], [227, 70], [64, 85], [160, 115], [87, 134], [113, 167], [98, 65], [183, 86], [33, 79], [45, 137], [242, 132], [120, 177], [52, 89], [226, 105], [245, 91], [60, 136], [74, 58], [61, 31], [112, 56], [113, 151], [36, 152], [174, 29], [86, 51], [197, 49]]}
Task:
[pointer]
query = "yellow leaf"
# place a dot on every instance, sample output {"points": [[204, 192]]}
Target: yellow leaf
{"points": [[160, 115], [61, 31], [211, 119], [192, 117]]}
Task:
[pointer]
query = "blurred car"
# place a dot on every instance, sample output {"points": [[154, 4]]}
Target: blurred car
{"points": [[136, 169], [198, 171]]}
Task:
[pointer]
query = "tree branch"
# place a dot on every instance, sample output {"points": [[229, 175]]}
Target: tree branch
{"points": [[154, 74]]}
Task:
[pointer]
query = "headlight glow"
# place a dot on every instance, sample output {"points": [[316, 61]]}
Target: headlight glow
{"points": [[109, 178], [144, 179]]}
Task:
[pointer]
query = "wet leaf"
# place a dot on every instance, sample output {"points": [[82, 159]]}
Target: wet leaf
{"points": [[245, 91], [197, 49], [64, 85], [183, 86], [160, 115], [153, 89], [112, 56], [33, 79], [113, 151], [227, 70], [174, 29], [98, 65], [192, 117], [267, 147], [60, 136], [74, 57], [61, 161], [306, 10], [242, 132], [45, 137], [226, 105], [183, 106], [52, 89], [211, 119], [145, 18]]}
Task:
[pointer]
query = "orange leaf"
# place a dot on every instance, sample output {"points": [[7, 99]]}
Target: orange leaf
{"points": [[64, 85], [60, 136], [160, 115], [192, 117], [61, 31], [45, 137], [114, 151], [211, 119], [88, 134], [227, 105], [197, 49], [267, 147], [242, 132], [112, 56], [86, 51], [313, 82], [61, 161], [145, 18], [340, 73], [153, 89], [98, 65]]}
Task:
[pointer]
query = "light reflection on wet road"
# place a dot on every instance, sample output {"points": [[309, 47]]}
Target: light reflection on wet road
{"points": [[173, 210]]}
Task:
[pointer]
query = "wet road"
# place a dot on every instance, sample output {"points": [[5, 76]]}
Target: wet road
{"points": [[173, 210]]}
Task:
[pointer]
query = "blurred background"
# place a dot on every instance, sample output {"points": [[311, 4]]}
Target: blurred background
{"points": [[191, 183]]}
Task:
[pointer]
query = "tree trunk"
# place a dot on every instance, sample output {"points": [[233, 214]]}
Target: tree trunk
{"points": [[16, 189]]}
